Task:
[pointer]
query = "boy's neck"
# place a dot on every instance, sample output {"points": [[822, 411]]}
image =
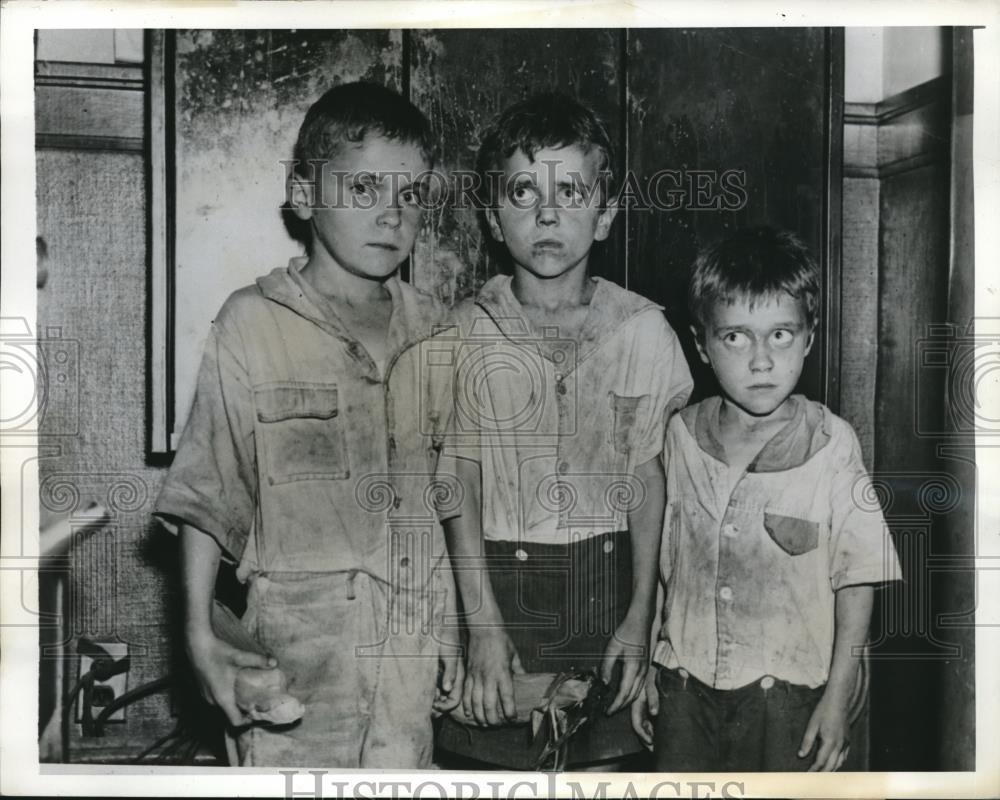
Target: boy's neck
{"points": [[573, 288], [334, 282]]}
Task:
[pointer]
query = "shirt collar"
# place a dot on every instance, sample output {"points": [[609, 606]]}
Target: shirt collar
{"points": [[415, 315], [611, 306], [799, 439]]}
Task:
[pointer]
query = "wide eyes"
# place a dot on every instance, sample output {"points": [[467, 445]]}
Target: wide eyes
{"points": [[738, 340], [782, 338], [528, 195]]}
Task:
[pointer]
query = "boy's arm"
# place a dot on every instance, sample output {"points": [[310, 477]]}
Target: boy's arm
{"points": [[215, 662], [829, 721], [488, 695], [631, 640]]}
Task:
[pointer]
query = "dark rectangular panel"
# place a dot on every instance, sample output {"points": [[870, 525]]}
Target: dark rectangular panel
{"points": [[741, 115]]}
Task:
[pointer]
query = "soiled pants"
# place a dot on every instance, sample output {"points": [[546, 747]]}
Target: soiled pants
{"points": [[361, 657], [756, 728]]}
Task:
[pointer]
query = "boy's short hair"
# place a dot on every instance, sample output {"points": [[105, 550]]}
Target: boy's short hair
{"points": [[753, 264], [347, 113], [545, 120]]}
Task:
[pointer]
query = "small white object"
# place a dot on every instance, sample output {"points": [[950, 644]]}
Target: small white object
{"points": [[520, 555], [608, 545], [726, 593], [766, 682]]}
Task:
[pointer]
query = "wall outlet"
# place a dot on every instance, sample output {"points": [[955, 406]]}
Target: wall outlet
{"points": [[104, 692]]}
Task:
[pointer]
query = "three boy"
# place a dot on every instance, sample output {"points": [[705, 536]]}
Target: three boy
{"points": [[312, 409]]}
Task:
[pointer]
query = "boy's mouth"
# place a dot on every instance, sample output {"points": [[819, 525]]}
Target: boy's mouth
{"points": [[547, 244], [763, 386], [383, 246]]}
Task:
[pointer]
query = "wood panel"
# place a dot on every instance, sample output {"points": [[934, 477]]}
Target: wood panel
{"points": [[461, 79], [754, 101]]}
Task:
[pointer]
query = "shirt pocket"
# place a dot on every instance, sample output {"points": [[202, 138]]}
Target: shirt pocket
{"points": [[626, 411], [794, 535], [302, 435]]}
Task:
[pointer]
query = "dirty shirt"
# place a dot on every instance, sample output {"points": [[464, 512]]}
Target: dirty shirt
{"points": [[313, 470], [558, 425], [751, 562]]}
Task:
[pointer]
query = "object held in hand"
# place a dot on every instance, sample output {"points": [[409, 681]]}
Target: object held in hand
{"points": [[261, 694], [558, 705]]}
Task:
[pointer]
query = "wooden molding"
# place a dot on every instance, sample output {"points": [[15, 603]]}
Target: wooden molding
{"points": [[904, 132]]}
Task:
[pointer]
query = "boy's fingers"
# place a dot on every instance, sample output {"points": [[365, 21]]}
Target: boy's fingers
{"points": [[652, 699], [640, 724], [624, 694], [515, 665], [808, 740], [822, 757], [608, 663], [246, 658], [505, 689]]}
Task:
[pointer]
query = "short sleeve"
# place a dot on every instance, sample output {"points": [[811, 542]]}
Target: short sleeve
{"points": [[861, 549], [662, 373], [211, 484]]}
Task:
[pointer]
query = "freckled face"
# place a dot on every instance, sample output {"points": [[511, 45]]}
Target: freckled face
{"points": [[373, 210], [757, 353], [549, 211]]}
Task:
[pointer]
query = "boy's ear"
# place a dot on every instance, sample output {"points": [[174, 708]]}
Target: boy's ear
{"points": [[300, 194], [604, 222], [494, 222], [699, 343], [809, 344]]}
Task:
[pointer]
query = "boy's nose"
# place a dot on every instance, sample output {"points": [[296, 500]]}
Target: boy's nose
{"points": [[390, 217], [761, 359], [546, 214]]}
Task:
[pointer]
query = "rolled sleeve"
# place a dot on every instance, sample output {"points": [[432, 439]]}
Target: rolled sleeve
{"points": [[211, 484], [861, 549]]}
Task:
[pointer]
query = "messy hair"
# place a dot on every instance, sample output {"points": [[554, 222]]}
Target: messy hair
{"points": [[753, 265], [545, 120], [349, 112]]}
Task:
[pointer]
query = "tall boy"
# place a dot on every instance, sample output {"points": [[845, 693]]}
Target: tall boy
{"points": [[305, 443], [564, 384], [768, 560]]}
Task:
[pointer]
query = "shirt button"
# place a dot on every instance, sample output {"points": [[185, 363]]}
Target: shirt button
{"points": [[560, 386], [520, 555], [767, 682], [608, 545], [397, 501], [404, 561], [726, 593], [729, 530], [563, 467]]}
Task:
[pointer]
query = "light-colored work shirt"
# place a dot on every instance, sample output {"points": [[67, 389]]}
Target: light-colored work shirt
{"points": [[751, 562], [558, 425], [300, 454]]}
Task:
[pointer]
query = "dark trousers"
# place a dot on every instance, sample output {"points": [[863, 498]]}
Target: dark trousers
{"points": [[756, 728]]}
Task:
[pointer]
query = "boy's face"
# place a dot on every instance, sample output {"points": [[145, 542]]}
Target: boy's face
{"points": [[549, 210], [757, 354], [373, 211]]}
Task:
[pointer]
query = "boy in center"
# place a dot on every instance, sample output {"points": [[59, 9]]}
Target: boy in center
{"points": [[564, 384]]}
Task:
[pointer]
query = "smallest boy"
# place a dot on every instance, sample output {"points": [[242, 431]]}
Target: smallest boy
{"points": [[768, 560]]}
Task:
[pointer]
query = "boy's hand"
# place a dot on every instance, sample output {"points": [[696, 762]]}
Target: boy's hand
{"points": [[215, 666], [644, 708], [628, 644], [829, 724], [450, 680], [488, 696]]}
